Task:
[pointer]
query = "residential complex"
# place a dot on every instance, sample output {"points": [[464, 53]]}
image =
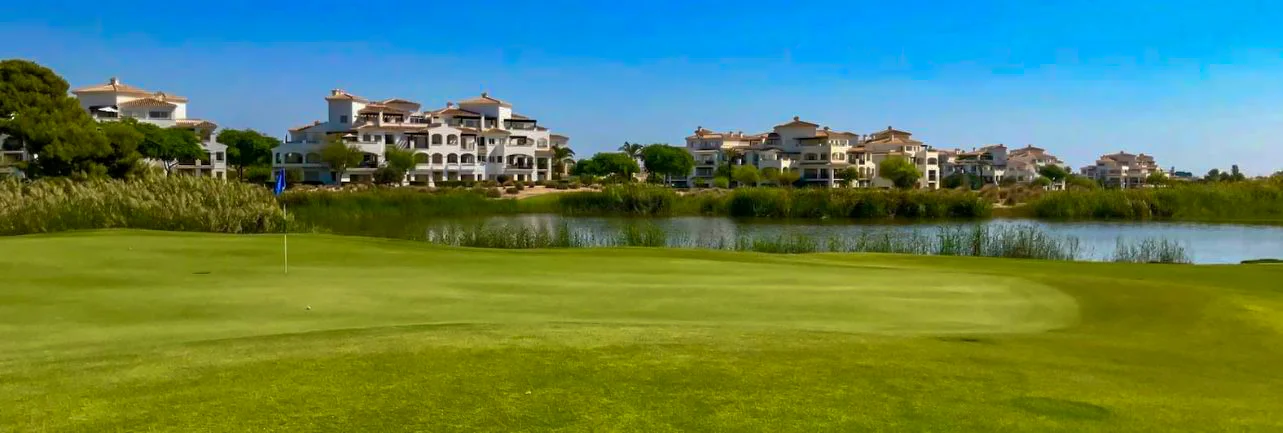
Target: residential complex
{"points": [[477, 139], [995, 163], [819, 153], [1122, 170], [116, 100]]}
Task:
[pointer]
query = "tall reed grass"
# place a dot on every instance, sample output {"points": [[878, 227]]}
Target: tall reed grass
{"points": [[1253, 200], [649, 200], [176, 203], [1026, 242], [1150, 251]]}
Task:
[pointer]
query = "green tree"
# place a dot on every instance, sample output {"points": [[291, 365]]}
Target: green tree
{"points": [[560, 155], [1054, 172], [1213, 175], [36, 110], [607, 164], [788, 177], [900, 171], [1041, 181], [167, 145], [771, 174], [247, 148], [1156, 178], [746, 175], [340, 156], [721, 182], [125, 138], [633, 150], [1081, 182], [667, 161], [956, 180], [387, 175], [733, 156], [1235, 175], [400, 161], [848, 175]]}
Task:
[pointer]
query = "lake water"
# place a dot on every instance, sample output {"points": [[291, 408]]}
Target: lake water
{"points": [[1205, 243]]}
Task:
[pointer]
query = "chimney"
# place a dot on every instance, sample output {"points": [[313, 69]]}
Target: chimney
{"points": [[826, 128], [336, 92], [485, 95], [796, 118], [449, 105], [113, 81]]}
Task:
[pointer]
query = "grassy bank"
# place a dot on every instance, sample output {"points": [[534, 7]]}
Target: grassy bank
{"points": [[1238, 201], [143, 331], [164, 203]]}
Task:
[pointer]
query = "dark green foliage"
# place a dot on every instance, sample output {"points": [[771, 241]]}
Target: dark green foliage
{"points": [[854, 203], [606, 164], [900, 171], [36, 111], [668, 161], [247, 148], [1054, 172], [259, 174], [167, 145], [631, 199], [388, 175]]}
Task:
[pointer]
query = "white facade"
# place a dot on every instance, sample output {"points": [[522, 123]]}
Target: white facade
{"points": [[819, 154], [1122, 170], [478, 139], [116, 100], [989, 163]]}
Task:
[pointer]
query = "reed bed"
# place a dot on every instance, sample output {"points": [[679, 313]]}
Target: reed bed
{"points": [[1026, 242], [1253, 200], [175, 203]]}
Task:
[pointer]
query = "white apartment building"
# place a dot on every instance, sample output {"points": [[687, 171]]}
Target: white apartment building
{"points": [[988, 163], [1122, 170], [819, 153], [478, 139], [115, 100], [1023, 164]]}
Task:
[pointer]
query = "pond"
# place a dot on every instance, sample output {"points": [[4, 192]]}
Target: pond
{"points": [[1204, 243]]}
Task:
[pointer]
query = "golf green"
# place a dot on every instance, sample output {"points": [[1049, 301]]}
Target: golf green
{"points": [[153, 331]]}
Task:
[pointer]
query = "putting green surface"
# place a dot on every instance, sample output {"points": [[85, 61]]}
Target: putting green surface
{"points": [[151, 331]]}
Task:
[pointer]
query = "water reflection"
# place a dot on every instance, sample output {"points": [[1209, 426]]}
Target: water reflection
{"points": [[1205, 243]]}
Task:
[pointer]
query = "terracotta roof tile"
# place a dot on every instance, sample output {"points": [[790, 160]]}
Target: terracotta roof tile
{"points": [[797, 121], [340, 95], [146, 102], [114, 85], [485, 99]]}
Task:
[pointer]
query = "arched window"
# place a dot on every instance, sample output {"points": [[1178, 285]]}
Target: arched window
{"points": [[436, 158], [293, 158], [469, 158], [452, 140], [420, 158], [452, 158], [931, 161], [313, 158], [436, 138]]}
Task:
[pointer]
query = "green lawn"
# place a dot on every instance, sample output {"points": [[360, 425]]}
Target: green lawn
{"points": [[148, 331]]}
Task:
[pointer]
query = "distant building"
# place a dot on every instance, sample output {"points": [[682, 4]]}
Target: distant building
{"points": [[1122, 170], [818, 153], [116, 100], [12, 152], [988, 163], [480, 138]]}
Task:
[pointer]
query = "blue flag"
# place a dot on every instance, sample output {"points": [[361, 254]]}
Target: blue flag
{"points": [[280, 181]]}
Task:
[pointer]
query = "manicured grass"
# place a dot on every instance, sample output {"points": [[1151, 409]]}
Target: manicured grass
{"points": [[152, 331]]}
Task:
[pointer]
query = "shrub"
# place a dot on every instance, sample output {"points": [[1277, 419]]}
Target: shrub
{"points": [[493, 193], [388, 176], [1219, 201], [722, 182], [512, 190]]}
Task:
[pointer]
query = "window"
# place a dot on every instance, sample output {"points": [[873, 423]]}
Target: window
{"points": [[491, 141], [420, 158], [343, 119], [158, 114], [312, 158], [389, 139], [452, 158], [452, 140], [366, 138], [436, 158], [219, 156], [278, 158], [436, 138]]}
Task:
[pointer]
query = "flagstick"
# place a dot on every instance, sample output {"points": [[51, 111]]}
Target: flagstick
{"points": [[286, 237]]}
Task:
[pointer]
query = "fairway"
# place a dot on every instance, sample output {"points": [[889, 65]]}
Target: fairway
{"points": [[153, 331]]}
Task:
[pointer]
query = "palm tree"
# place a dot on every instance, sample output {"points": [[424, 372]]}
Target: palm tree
{"points": [[559, 157], [733, 156], [633, 150]]}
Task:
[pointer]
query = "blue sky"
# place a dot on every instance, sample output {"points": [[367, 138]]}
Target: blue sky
{"points": [[1197, 84]]}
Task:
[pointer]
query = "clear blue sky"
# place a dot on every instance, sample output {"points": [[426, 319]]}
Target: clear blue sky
{"points": [[1198, 84]]}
